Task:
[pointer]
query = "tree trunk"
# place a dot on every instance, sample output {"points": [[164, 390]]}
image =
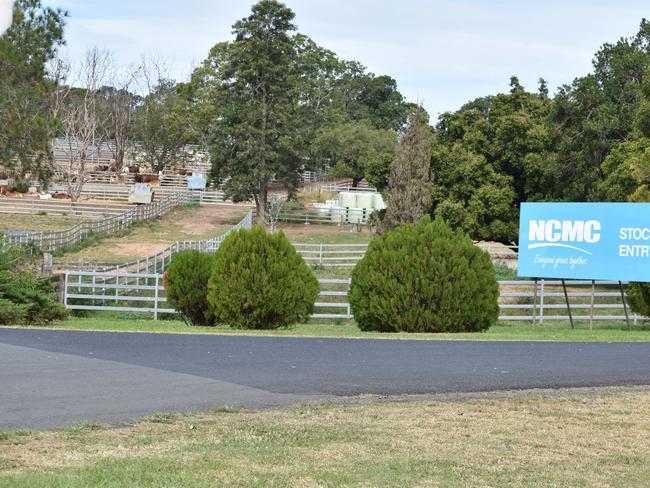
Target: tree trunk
{"points": [[262, 201], [263, 192]]}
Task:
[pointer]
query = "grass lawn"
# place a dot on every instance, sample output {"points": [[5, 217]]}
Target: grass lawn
{"points": [[37, 222], [574, 441], [550, 331]]}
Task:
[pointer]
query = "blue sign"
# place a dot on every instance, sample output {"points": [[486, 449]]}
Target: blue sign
{"points": [[593, 241]]}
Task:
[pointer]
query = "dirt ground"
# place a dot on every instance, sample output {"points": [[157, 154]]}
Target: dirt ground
{"points": [[150, 237]]}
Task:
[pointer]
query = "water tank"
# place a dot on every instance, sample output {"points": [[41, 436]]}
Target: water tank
{"points": [[197, 181], [364, 200], [378, 202], [141, 193], [347, 199]]}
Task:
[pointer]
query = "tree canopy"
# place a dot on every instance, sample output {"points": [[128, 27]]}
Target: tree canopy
{"points": [[27, 125]]}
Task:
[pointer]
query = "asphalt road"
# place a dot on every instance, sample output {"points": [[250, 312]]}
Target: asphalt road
{"points": [[52, 378]]}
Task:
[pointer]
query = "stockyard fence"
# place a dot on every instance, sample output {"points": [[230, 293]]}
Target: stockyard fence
{"points": [[324, 215], [120, 192], [112, 219], [525, 301]]}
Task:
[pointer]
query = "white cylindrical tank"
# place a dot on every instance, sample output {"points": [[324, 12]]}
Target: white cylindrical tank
{"points": [[378, 201], [364, 200], [347, 199]]}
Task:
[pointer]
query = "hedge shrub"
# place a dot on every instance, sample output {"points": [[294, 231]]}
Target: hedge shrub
{"points": [[638, 295], [25, 297], [259, 281], [424, 278], [186, 282]]}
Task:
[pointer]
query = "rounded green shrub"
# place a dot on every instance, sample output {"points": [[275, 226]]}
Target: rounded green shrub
{"points": [[259, 281], [638, 294], [186, 282], [424, 278]]}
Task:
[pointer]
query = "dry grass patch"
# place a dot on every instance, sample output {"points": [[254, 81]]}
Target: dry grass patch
{"points": [[567, 441], [37, 222]]}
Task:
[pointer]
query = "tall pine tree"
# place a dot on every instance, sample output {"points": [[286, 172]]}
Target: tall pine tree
{"points": [[252, 84], [409, 185]]}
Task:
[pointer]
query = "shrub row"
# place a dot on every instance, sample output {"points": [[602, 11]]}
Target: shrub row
{"points": [[417, 278]]}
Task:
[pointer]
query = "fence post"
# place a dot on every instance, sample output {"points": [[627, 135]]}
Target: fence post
{"points": [[320, 260], [534, 302], [65, 289], [155, 300], [591, 313], [541, 304]]}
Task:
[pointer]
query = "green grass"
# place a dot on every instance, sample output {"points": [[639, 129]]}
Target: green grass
{"points": [[550, 331], [573, 441]]}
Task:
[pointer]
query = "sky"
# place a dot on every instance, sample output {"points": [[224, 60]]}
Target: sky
{"points": [[442, 53]]}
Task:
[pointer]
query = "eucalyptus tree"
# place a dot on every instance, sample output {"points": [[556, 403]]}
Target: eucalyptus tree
{"points": [[26, 123]]}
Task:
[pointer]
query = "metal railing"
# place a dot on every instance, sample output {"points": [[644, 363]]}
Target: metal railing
{"points": [[157, 263], [525, 301], [33, 206], [347, 255], [332, 255], [120, 192], [49, 241]]}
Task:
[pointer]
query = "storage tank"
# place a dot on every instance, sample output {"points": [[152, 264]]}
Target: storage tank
{"points": [[347, 199], [197, 181], [364, 200], [141, 193], [378, 202]]}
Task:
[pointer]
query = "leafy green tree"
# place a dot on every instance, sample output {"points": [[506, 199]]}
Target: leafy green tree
{"points": [[596, 113], [357, 150], [252, 84], [26, 123], [25, 297], [471, 195], [162, 124]]}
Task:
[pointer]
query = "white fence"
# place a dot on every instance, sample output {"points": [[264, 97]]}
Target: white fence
{"points": [[347, 255], [50, 241], [32, 206], [332, 255], [157, 263], [539, 302], [120, 192], [309, 215]]}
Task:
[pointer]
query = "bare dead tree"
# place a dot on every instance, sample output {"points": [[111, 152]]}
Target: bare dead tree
{"points": [[81, 121], [120, 105]]}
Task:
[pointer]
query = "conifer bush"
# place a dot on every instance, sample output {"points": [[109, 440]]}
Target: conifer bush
{"points": [[25, 297], [186, 282], [424, 278], [259, 281], [638, 295]]}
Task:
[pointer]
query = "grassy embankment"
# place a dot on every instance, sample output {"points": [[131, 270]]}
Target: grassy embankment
{"points": [[595, 440]]}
